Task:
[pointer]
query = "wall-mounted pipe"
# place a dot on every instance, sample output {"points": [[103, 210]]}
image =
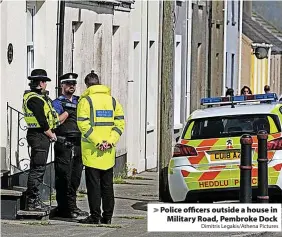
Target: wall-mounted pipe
{"points": [[60, 44], [189, 11]]}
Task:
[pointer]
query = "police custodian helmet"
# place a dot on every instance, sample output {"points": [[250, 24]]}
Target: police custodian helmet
{"points": [[39, 75]]}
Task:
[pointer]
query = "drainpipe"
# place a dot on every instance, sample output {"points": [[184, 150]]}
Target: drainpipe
{"points": [[225, 66], [146, 87], [60, 43], [240, 47], [268, 65], [209, 47]]}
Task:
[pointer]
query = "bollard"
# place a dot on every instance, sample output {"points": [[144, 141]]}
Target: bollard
{"points": [[246, 169], [262, 167]]}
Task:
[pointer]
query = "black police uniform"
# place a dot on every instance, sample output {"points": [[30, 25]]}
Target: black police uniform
{"points": [[39, 144], [68, 160]]}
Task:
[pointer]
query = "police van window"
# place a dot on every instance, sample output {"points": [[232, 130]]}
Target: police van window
{"points": [[231, 126]]}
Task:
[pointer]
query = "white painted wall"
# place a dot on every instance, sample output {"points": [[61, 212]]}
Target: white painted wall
{"points": [[14, 30], [143, 85], [188, 67], [152, 84], [232, 44], [127, 61], [177, 82]]}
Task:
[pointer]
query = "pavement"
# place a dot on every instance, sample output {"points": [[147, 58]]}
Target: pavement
{"points": [[130, 217]]}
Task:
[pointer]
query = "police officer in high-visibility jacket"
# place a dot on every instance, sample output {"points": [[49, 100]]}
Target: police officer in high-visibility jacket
{"points": [[100, 119], [41, 119]]}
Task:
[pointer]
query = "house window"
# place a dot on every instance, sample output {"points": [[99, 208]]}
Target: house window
{"points": [[30, 37]]}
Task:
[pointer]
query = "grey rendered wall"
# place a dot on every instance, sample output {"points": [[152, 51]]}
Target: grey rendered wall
{"points": [[199, 53], [181, 29], [101, 43]]}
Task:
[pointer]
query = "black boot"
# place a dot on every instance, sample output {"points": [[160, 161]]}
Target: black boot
{"points": [[47, 207], [90, 220], [106, 221], [66, 213], [80, 212], [34, 205]]}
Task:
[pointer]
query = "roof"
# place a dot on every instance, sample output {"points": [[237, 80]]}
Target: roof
{"points": [[268, 26], [227, 110], [258, 33]]}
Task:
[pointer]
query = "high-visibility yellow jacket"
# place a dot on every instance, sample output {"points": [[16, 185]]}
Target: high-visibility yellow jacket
{"points": [[51, 115], [99, 118]]}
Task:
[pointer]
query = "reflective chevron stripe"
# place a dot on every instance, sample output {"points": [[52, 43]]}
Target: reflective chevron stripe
{"points": [[82, 119], [117, 130], [87, 134], [119, 117]]}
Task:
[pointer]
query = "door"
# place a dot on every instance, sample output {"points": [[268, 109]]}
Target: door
{"points": [[152, 106]]}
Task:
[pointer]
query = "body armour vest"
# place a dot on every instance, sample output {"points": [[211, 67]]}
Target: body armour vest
{"points": [[70, 123]]}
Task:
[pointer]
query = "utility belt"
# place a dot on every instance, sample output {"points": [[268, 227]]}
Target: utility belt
{"points": [[71, 138]]}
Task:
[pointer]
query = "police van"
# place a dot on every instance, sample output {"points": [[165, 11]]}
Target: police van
{"points": [[205, 162]]}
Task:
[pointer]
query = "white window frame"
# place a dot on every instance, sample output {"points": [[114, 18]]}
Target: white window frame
{"points": [[30, 40]]}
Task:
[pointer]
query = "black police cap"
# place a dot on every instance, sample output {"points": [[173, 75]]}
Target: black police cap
{"points": [[68, 77], [39, 75]]}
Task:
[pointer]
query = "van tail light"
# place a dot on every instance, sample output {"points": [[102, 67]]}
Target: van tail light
{"points": [[278, 167], [184, 150], [275, 144]]}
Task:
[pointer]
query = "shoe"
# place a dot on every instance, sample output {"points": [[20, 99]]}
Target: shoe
{"points": [[106, 221], [90, 220], [80, 212], [66, 214], [39, 202], [35, 206]]}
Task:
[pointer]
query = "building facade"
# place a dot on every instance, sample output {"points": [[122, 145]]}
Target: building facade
{"points": [[96, 38], [232, 35], [119, 40], [182, 64], [143, 86], [257, 72], [199, 86], [25, 45]]}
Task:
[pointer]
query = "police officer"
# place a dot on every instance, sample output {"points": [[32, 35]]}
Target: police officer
{"points": [[68, 163], [41, 119], [100, 119]]}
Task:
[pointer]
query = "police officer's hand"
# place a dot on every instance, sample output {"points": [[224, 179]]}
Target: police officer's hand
{"points": [[104, 146], [53, 137]]}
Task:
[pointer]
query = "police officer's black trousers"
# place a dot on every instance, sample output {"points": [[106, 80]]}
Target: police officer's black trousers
{"points": [[39, 144], [68, 170], [99, 184]]}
